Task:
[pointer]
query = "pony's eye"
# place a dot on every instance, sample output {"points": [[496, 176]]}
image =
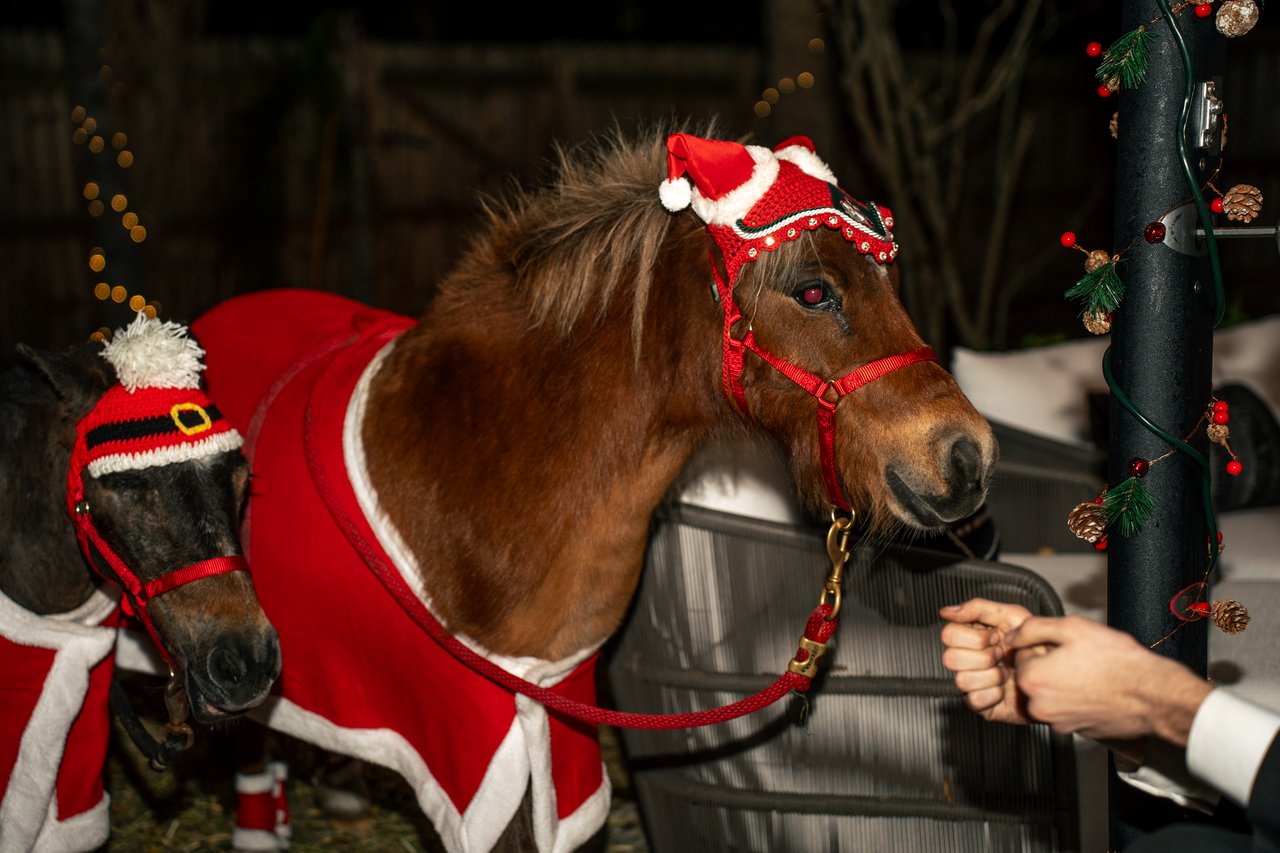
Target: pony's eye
{"points": [[814, 294]]}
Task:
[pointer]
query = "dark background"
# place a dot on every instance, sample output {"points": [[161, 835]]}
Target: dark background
{"points": [[260, 163]]}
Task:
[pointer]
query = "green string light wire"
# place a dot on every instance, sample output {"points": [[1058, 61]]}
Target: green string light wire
{"points": [[1202, 210]]}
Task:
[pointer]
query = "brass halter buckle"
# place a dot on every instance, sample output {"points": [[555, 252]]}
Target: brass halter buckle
{"points": [[838, 552]]}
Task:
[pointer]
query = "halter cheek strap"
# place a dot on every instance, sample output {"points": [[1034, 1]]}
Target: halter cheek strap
{"points": [[828, 393]]}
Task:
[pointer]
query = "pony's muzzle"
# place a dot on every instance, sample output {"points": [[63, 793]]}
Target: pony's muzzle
{"points": [[963, 468], [236, 675]]}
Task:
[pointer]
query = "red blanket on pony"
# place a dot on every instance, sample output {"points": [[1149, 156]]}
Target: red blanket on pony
{"points": [[361, 677], [55, 673]]}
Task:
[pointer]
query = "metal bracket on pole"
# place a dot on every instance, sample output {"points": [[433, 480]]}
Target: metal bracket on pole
{"points": [[1180, 232], [1206, 114], [1237, 232]]}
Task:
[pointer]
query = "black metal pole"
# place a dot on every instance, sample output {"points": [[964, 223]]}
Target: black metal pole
{"points": [[1161, 351]]}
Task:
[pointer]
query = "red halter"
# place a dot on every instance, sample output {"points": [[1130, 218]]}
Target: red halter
{"points": [[138, 433], [828, 393]]}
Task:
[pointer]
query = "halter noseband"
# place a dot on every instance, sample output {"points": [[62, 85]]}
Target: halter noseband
{"points": [[189, 429]]}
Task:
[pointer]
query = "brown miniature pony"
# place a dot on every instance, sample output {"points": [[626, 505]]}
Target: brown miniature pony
{"points": [[498, 460]]}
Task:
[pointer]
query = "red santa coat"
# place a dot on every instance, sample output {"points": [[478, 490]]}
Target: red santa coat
{"points": [[290, 369], [55, 673]]}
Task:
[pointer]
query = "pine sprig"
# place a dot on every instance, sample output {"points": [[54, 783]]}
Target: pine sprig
{"points": [[1100, 289], [1126, 59], [1127, 505]]}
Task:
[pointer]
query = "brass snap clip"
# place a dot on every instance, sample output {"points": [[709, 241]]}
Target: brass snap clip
{"points": [[838, 551]]}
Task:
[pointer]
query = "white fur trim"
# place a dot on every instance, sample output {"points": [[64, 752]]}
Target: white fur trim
{"points": [[737, 203], [809, 163], [256, 783], [256, 840], [525, 751], [221, 442], [675, 194], [88, 830], [136, 652], [578, 827], [149, 353], [28, 817]]}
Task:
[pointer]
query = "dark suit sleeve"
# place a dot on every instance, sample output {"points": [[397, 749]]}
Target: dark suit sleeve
{"points": [[1264, 802]]}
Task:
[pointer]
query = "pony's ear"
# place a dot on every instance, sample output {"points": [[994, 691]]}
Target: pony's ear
{"points": [[78, 376]]}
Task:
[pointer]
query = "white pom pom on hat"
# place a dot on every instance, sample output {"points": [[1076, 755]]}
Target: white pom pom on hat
{"points": [[675, 194], [149, 353]]}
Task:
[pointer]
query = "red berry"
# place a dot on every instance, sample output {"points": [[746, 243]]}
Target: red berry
{"points": [[1104, 91], [1138, 467], [1093, 48], [1204, 10], [1068, 239], [1234, 467], [1221, 417], [1200, 608], [1100, 544], [1221, 405], [1216, 205], [1219, 537], [1154, 232]]}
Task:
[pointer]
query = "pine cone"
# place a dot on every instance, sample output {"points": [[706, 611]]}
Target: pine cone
{"points": [[1218, 433], [1236, 17], [1097, 258], [1087, 521], [1230, 615], [1114, 125], [1242, 203], [1098, 322]]}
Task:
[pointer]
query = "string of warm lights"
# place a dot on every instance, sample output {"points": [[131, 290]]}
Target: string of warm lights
{"points": [[788, 85], [87, 133]]}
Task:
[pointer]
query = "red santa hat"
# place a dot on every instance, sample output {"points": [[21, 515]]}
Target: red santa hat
{"points": [[754, 199], [157, 414]]}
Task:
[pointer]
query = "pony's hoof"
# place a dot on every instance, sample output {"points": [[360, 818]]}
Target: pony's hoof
{"points": [[341, 792]]}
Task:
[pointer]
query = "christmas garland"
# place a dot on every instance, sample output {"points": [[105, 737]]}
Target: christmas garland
{"points": [[1124, 506]]}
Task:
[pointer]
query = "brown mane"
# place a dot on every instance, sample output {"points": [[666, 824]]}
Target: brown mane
{"points": [[601, 214]]}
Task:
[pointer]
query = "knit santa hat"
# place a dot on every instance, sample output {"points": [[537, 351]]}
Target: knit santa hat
{"points": [[755, 199], [156, 414]]}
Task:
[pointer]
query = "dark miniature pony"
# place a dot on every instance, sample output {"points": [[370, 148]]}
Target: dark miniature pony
{"points": [[117, 468], [492, 466]]}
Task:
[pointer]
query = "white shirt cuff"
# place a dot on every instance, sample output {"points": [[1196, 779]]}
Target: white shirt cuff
{"points": [[1229, 738], [1163, 773]]}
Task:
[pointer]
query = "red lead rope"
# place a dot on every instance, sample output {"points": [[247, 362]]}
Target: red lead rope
{"points": [[818, 631]]}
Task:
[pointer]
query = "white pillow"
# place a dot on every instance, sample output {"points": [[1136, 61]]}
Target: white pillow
{"points": [[1042, 390], [1045, 390]]}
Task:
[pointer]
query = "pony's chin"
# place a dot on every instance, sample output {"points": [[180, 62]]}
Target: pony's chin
{"points": [[927, 512], [205, 712]]}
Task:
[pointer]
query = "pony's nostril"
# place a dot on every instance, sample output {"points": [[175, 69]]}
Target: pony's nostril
{"points": [[226, 667], [966, 463]]}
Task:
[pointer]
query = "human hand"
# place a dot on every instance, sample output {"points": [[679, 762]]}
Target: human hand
{"points": [[1082, 677], [978, 653]]}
